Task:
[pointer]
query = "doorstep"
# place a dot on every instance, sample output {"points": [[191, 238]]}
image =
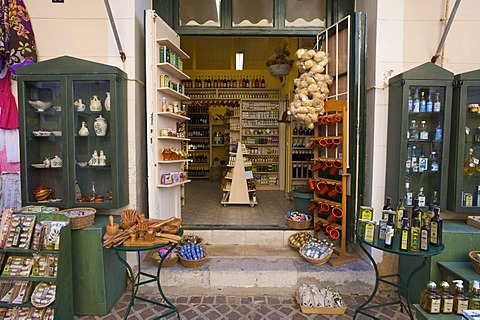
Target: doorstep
{"points": [[238, 269]]}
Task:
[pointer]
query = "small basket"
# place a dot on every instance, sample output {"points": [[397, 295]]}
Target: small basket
{"points": [[279, 70], [167, 262], [194, 263], [474, 260], [299, 225], [79, 217], [295, 248], [317, 261]]}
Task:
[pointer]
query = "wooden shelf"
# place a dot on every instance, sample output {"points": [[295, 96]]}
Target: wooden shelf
{"points": [[174, 161], [172, 70], [173, 184], [173, 115], [172, 46], [173, 138], [173, 93]]}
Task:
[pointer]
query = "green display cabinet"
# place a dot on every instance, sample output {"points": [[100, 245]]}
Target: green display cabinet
{"points": [[419, 123], [99, 278], [464, 177], [73, 133]]}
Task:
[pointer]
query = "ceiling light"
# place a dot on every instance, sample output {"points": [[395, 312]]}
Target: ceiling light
{"points": [[239, 61]]}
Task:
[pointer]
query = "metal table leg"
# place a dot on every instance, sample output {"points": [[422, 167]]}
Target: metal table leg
{"points": [[136, 283]]}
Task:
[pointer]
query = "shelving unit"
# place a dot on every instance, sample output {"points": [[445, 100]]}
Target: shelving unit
{"points": [[302, 155], [330, 170], [198, 130], [237, 189], [166, 114], [63, 304]]}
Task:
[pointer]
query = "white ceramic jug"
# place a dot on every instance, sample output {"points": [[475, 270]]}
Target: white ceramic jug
{"points": [[100, 126], [95, 104]]}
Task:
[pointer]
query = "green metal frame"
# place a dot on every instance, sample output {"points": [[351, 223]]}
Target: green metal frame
{"points": [[168, 10]]}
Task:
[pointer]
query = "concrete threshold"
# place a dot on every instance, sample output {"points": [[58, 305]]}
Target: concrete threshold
{"points": [[235, 269]]}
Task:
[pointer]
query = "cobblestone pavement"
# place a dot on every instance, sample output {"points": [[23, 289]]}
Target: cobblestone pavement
{"points": [[245, 307]]}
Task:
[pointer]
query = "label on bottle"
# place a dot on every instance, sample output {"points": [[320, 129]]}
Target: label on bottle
{"points": [[468, 199], [398, 222], [429, 106], [408, 164], [439, 134], [389, 236], [423, 135], [437, 106], [434, 167], [462, 305], [421, 201], [404, 240], [409, 198], [366, 213], [414, 164], [369, 232], [424, 240], [382, 229], [410, 104], [416, 105], [434, 232], [447, 305], [415, 240], [423, 164], [435, 305]]}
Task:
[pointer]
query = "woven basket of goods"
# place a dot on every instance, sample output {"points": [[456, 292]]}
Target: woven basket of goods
{"points": [[298, 220], [316, 252], [190, 238], [299, 239], [80, 217], [170, 260], [475, 259], [192, 256]]}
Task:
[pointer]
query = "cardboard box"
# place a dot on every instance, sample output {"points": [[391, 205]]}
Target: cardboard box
{"points": [[320, 310]]}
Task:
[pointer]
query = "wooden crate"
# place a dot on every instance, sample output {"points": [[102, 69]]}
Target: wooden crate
{"points": [[320, 310], [474, 221]]}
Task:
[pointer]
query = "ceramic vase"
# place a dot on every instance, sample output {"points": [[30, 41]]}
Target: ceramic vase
{"points": [[95, 104], [83, 130], [100, 126], [79, 105], [107, 102]]}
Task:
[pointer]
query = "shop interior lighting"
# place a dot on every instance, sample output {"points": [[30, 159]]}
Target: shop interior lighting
{"points": [[239, 61]]}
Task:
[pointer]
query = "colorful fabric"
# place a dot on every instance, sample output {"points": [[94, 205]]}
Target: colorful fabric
{"points": [[8, 105], [17, 41]]}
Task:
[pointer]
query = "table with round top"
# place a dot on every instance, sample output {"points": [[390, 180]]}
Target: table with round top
{"points": [[136, 277], [401, 284]]}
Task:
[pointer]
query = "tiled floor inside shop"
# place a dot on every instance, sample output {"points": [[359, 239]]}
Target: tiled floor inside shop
{"points": [[203, 208]]}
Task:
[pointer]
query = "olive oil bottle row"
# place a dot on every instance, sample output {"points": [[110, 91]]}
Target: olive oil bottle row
{"points": [[436, 301], [399, 230]]}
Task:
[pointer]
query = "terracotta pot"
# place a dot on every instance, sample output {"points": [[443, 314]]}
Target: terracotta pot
{"points": [[329, 143], [337, 213], [328, 164], [322, 187], [329, 228], [335, 143], [336, 118], [323, 120], [337, 165], [318, 165], [336, 189], [333, 234], [311, 184], [322, 142], [324, 207]]}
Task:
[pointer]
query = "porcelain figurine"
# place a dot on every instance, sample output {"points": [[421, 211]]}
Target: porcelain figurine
{"points": [[107, 101], [100, 126], [79, 105], [94, 159], [46, 162], [56, 162], [102, 159], [83, 130], [95, 104]]}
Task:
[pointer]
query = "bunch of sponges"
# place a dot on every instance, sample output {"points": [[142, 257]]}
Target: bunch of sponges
{"points": [[311, 88]]}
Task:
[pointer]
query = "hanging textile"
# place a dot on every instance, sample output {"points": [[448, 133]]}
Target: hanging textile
{"points": [[17, 41], [8, 105], [10, 191]]}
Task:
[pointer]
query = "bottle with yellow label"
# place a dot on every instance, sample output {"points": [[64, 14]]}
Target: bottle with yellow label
{"points": [[415, 235], [405, 234], [430, 301]]}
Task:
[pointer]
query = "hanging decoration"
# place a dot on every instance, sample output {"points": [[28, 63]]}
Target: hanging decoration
{"points": [[311, 88]]}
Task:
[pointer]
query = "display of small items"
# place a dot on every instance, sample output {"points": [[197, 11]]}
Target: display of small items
{"points": [[26, 313], [172, 177], [192, 251], [20, 231], [297, 216], [441, 300], [321, 301], [317, 249], [169, 153]]}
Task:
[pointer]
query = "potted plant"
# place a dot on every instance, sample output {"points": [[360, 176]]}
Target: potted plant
{"points": [[279, 63]]}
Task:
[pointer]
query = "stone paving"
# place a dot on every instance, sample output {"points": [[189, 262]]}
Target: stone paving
{"points": [[230, 307]]}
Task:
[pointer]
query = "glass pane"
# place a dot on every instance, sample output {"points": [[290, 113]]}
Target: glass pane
{"points": [[424, 143], [471, 179], [43, 114], [199, 13], [252, 13], [92, 144], [305, 13]]}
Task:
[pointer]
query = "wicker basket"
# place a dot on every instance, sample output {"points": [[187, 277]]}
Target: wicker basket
{"points": [[299, 225], [80, 217], [194, 263], [295, 248], [167, 262], [474, 260], [279, 70], [314, 261]]}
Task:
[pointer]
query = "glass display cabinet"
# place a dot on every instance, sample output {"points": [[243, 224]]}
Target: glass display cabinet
{"points": [[419, 120], [464, 175], [73, 134]]}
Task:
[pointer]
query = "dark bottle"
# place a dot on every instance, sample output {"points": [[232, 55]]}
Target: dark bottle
{"points": [[295, 130], [386, 208], [389, 236], [415, 235], [391, 220], [405, 234], [425, 235], [436, 228], [416, 210]]}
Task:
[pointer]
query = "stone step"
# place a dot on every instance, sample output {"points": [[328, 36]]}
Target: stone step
{"points": [[262, 269]]}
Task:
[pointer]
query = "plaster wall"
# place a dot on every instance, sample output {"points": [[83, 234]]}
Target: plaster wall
{"points": [[82, 29]]}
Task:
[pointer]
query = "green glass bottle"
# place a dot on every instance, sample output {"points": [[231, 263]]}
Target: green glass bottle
{"points": [[415, 235], [405, 234], [436, 228]]}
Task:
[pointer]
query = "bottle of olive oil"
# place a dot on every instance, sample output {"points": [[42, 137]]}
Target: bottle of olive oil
{"points": [[460, 301], [436, 228], [415, 235], [405, 234], [425, 235], [475, 296], [386, 208], [399, 213], [446, 305], [431, 300]]}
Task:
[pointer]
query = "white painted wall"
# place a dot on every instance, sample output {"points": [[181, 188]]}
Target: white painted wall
{"points": [[82, 29]]}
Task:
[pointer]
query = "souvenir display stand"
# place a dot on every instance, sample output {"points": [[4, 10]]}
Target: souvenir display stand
{"points": [[330, 170], [235, 185], [59, 276]]}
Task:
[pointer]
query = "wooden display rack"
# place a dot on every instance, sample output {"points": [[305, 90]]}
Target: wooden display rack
{"points": [[332, 150], [238, 192]]}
